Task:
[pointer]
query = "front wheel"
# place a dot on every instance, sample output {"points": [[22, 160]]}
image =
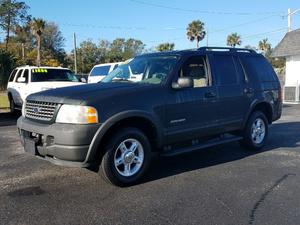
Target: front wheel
{"points": [[127, 157], [256, 131], [12, 105]]}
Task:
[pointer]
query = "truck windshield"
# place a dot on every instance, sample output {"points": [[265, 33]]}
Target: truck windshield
{"points": [[147, 69], [44, 75]]}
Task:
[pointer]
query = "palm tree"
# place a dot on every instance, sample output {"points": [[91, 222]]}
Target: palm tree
{"points": [[165, 47], [195, 31], [22, 37], [37, 28], [264, 45], [233, 40]]}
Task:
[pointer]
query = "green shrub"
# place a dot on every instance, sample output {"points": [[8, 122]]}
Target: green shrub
{"points": [[7, 64]]}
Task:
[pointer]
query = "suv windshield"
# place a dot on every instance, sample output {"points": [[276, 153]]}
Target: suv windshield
{"points": [[43, 75], [147, 69]]}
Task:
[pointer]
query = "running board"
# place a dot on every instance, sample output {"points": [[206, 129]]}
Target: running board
{"points": [[197, 147]]}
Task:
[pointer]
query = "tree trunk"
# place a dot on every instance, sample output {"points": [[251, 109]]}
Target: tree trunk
{"points": [[23, 51], [38, 59], [197, 43], [7, 31]]}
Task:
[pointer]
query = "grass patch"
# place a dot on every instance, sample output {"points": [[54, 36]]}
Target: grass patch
{"points": [[4, 103]]}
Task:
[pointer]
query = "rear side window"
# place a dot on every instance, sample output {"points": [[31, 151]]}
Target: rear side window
{"points": [[100, 71], [259, 67], [225, 70], [12, 76]]}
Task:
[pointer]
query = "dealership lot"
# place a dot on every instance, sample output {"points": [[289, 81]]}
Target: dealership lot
{"points": [[220, 185]]}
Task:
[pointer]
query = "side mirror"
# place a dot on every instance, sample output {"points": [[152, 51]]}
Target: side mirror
{"points": [[183, 82], [83, 80], [21, 80]]}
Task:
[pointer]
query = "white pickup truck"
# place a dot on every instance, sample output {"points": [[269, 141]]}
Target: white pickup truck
{"points": [[26, 80]]}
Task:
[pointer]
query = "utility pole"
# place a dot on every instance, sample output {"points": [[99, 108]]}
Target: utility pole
{"points": [[289, 20], [290, 13], [75, 54]]}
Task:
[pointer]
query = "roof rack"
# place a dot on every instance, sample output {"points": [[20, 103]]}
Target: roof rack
{"points": [[226, 49]]}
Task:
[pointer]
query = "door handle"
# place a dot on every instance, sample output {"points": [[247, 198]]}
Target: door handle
{"points": [[210, 95]]}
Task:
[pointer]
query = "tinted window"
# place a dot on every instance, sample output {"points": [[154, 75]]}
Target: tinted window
{"points": [[42, 75], [19, 74], [146, 69], [25, 75], [225, 70], [259, 67], [12, 76], [195, 68], [100, 71]]}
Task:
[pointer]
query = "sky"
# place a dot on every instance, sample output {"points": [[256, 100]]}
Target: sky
{"points": [[159, 21]]}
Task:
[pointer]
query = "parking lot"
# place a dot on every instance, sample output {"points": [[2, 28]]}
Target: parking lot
{"points": [[220, 185]]}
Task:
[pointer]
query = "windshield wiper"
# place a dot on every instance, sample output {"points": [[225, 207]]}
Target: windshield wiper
{"points": [[120, 79]]}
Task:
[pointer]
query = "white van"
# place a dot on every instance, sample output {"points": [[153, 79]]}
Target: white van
{"points": [[100, 71]]}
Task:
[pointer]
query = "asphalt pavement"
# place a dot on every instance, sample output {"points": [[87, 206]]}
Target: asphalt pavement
{"points": [[219, 185]]}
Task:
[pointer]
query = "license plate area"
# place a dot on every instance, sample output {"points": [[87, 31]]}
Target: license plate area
{"points": [[30, 145]]}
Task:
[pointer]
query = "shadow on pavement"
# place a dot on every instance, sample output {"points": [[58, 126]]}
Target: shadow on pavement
{"points": [[281, 135], [9, 119]]}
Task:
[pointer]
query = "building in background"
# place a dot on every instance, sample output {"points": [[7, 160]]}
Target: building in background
{"points": [[289, 48]]}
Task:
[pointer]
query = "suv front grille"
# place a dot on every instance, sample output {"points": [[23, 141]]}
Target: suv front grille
{"points": [[40, 110]]}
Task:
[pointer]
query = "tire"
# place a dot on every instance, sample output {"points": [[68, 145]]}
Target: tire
{"points": [[12, 105], [127, 157], [256, 131]]}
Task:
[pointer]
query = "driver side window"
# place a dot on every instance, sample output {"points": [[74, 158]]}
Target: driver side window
{"points": [[19, 75], [195, 68]]}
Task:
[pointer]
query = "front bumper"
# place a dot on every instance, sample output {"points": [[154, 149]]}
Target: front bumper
{"points": [[62, 144]]}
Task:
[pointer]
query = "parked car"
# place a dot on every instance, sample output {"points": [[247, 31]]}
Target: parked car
{"points": [[185, 101], [99, 71], [26, 80]]}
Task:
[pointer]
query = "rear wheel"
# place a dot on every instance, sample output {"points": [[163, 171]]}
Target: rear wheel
{"points": [[127, 157], [256, 131]]}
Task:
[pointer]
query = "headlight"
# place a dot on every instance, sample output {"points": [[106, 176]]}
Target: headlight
{"points": [[77, 114]]}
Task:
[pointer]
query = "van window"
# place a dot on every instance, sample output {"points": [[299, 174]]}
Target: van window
{"points": [[12, 76], [195, 68], [19, 74], [100, 71], [25, 75], [259, 67], [225, 70]]}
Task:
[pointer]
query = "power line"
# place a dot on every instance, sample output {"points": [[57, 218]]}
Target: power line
{"points": [[264, 33], [243, 24], [203, 11], [253, 36], [164, 28], [103, 27], [247, 37]]}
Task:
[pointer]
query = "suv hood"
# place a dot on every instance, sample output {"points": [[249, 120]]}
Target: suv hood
{"points": [[53, 84], [83, 94]]}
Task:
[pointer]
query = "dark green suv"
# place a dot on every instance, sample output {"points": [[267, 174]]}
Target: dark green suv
{"points": [[167, 103]]}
